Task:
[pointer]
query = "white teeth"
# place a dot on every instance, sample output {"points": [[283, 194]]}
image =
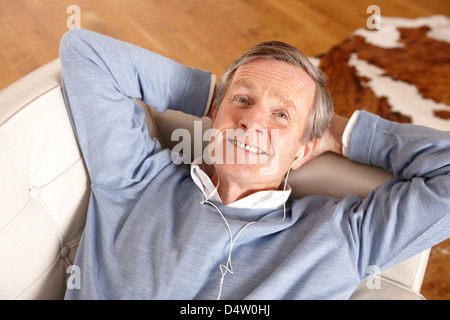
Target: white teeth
{"points": [[246, 147]]}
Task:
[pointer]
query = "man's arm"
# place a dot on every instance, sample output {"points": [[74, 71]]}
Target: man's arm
{"points": [[101, 78], [409, 213]]}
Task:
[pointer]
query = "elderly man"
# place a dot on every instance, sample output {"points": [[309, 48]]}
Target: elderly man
{"points": [[222, 227]]}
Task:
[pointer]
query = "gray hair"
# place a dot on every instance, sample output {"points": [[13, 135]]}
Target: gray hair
{"points": [[320, 114]]}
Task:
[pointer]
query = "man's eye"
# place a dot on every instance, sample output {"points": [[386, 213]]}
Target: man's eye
{"points": [[242, 100], [282, 115]]}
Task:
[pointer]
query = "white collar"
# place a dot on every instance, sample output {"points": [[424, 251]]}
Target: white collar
{"points": [[270, 199]]}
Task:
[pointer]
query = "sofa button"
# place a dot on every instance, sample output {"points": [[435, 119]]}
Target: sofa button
{"points": [[64, 252], [35, 193]]}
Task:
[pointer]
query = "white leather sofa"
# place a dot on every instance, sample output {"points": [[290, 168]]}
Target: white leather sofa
{"points": [[44, 192]]}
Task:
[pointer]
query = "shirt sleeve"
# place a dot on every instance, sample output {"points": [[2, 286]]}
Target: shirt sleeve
{"points": [[348, 132], [405, 215], [101, 78]]}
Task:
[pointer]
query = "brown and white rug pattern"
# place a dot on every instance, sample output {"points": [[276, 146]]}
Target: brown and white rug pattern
{"points": [[400, 72]]}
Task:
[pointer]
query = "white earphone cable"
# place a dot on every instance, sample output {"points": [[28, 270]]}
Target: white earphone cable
{"points": [[224, 269]]}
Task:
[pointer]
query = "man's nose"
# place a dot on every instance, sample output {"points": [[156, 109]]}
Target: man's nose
{"points": [[253, 119]]}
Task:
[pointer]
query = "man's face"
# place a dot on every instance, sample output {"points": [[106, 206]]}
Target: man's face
{"points": [[262, 119]]}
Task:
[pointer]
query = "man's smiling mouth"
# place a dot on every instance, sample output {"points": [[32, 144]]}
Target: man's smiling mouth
{"points": [[247, 147]]}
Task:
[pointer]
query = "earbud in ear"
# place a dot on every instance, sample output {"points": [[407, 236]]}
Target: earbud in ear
{"points": [[298, 157]]}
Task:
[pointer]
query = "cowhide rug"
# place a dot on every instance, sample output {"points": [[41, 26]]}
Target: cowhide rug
{"points": [[402, 73]]}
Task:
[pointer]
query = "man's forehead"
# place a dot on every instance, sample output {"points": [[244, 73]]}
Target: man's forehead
{"points": [[251, 86], [272, 69], [283, 78]]}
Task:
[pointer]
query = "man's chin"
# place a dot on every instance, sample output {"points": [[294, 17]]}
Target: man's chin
{"points": [[249, 170]]}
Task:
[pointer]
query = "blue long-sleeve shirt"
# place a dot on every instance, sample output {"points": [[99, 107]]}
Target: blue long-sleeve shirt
{"points": [[148, 234]]}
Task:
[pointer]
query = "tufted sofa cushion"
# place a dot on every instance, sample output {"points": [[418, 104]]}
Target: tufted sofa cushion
{"points": [[44, 188], [44, 191]]}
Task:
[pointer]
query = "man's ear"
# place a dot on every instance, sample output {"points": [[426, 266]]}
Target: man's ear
{"points": [[304, 155]]}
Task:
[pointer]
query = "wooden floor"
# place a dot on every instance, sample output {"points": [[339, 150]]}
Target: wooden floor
{"points": [[206, 34]]}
